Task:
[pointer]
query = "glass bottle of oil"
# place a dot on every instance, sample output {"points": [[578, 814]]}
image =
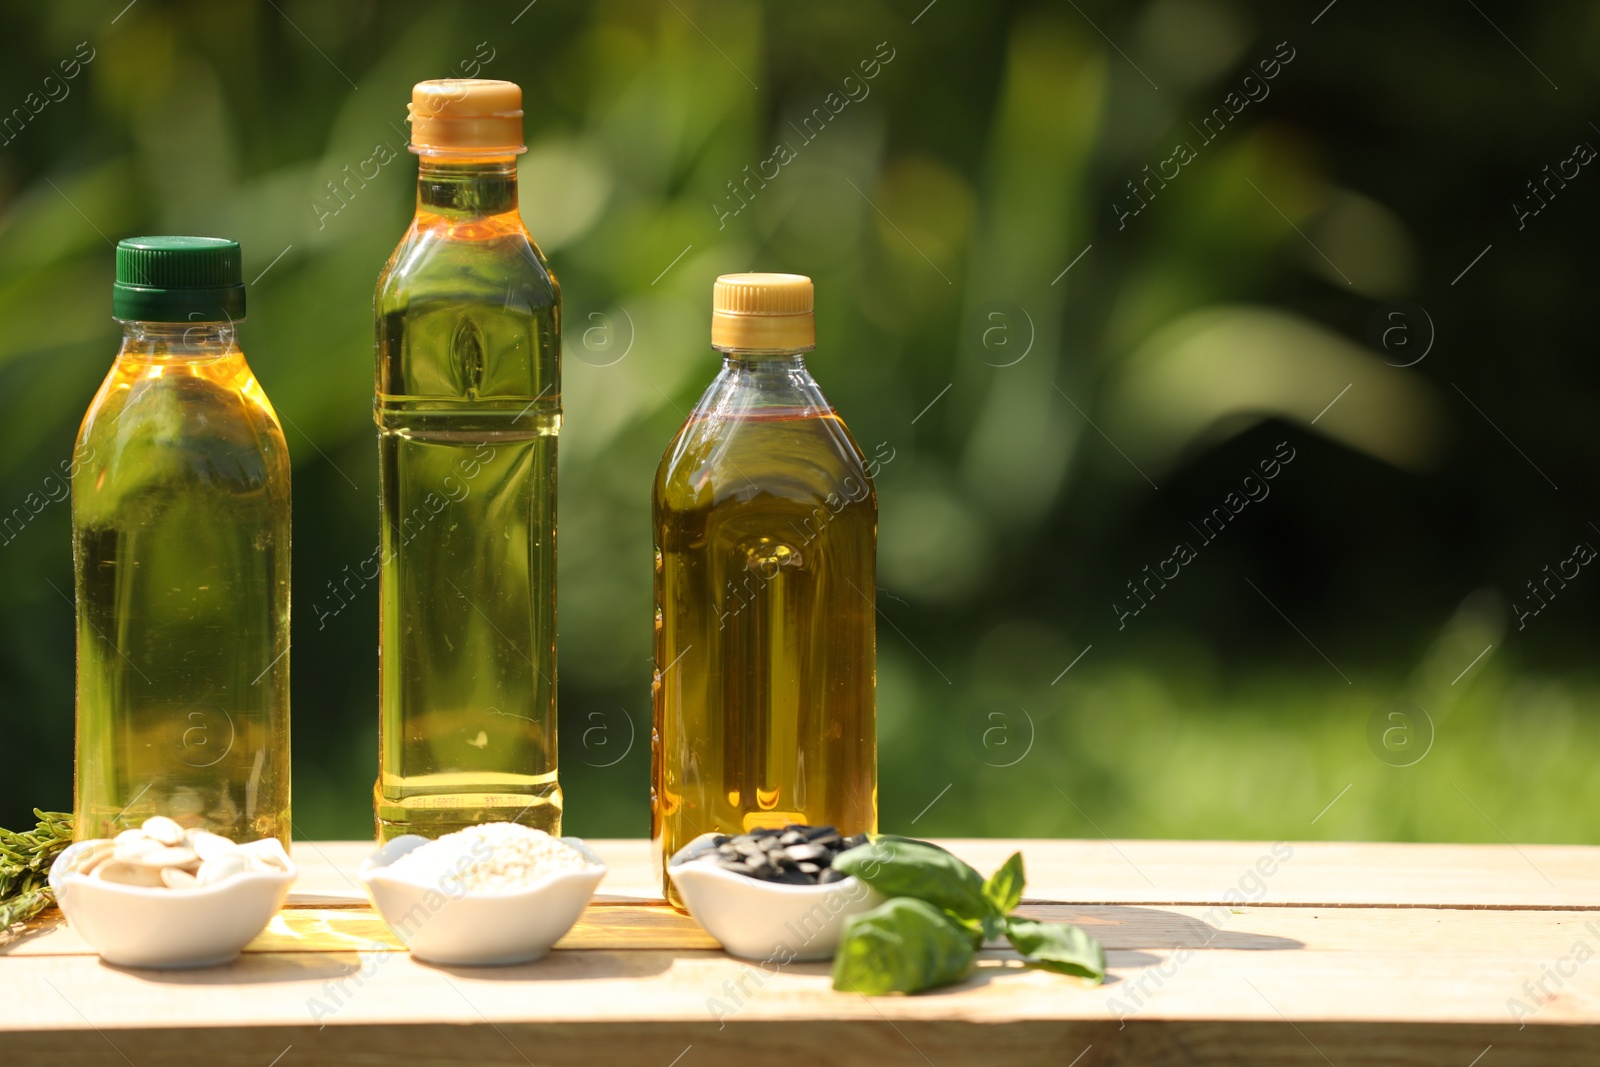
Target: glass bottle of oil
{"points": [[180, 524], [468, 409], [766, 527]]}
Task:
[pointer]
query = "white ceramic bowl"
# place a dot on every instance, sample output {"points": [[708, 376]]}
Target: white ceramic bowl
{"points": [[759, 920], [478, 927], [139, 926]]}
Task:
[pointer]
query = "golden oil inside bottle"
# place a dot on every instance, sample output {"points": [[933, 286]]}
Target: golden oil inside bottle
{"points": [[468, 621], [766, 526], [180, 503], [469, 413]]}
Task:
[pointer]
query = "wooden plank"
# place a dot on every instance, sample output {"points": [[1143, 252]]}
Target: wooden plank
{"points": [[352, 929], [1354, 960], [1393, 964], [1539, 935], [852, 1043], [1299, 873], [1162, 872]]}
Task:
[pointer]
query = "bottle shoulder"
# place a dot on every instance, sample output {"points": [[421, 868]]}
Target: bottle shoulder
{"points": [[482, 260], [181, 421], [799, 459], [469, 311]]}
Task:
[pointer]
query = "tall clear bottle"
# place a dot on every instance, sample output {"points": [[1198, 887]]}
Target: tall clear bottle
{"points": [[468, 408], [180, 527], [766, 525]]}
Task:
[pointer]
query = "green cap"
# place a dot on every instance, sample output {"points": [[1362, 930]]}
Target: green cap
{"points": [[178, 279]]}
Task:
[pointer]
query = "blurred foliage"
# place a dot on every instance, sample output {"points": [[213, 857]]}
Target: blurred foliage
{"points": [[1068, 386]]}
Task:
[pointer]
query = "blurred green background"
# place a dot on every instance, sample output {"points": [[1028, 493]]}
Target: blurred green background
{"points": [[1075, 338]]}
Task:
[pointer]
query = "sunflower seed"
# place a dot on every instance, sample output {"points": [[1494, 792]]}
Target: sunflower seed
{"points": [[697, 848], [795, 854]]}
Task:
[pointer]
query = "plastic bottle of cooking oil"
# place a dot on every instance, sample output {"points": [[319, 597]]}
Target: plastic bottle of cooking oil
{"points": [[766, 527], [180, 524], [468, 409]]}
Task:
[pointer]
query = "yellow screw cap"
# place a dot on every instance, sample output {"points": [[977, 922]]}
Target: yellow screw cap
{"points": [[763, 311], [466, 118]]}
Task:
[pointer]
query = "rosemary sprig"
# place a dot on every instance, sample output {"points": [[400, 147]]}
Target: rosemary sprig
{"points": [[25, 859]]}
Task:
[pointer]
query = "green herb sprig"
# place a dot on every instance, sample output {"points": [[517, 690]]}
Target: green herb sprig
{"points": [[939, 912], [25, 859]]}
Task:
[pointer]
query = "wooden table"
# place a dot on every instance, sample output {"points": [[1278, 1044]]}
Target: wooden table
{"points": [[1220, 953]]}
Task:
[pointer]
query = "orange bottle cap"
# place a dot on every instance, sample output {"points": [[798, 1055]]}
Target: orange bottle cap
{"points": [[470, 118], [763, 311]]}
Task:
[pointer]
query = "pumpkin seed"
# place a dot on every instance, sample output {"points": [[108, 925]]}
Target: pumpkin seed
{"points": [[268, 850], [91, 857], [208, 845], [163, 853], [134, 850], [169, 857], [178, 878], [163, 829], [224, 866], [124, 873]]}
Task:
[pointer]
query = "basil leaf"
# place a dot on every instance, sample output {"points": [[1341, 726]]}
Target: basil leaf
{"points": [[896, 838], [1059, 947], [906, 868], [901, 946], [1004, 887]]}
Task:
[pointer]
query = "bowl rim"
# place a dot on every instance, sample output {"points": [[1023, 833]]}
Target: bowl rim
{"points": [[187, 893], [373, 873], [703, 869]]}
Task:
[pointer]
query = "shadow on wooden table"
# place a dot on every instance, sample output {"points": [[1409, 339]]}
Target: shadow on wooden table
{"points": [[255, 968], [576, 965], [36, 927], [1125, 926]]}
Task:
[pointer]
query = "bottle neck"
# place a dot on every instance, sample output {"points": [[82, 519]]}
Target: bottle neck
{"points": [[765, 379], [765, 361], [467, 189], [178, 340]]}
